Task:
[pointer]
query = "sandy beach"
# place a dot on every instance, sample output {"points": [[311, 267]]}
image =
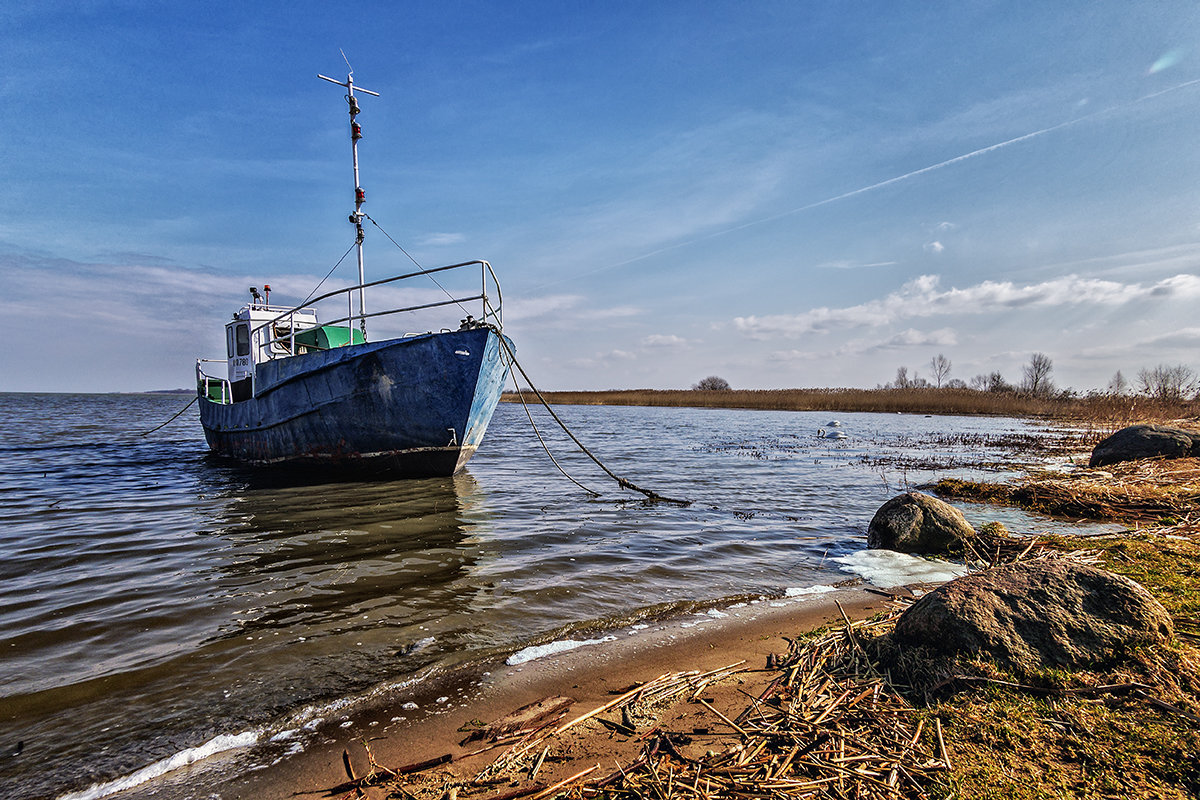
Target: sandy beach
{"points": [[590, 676]]}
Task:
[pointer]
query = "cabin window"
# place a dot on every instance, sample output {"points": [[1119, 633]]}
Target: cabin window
{"points": [[243, 340], [281, 339], [229, 341]]}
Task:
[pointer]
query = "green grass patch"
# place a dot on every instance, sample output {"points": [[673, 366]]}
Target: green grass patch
{"points": [[1006, 744]]}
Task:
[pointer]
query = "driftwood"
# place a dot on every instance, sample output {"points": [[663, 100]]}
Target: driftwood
{"points": [[525, 718]]}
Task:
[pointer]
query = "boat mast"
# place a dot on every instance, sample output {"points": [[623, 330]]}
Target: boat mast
{"points": [[360, 196]]}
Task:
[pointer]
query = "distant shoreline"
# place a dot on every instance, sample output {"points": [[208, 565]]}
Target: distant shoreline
{"points": [[1114, 409]]}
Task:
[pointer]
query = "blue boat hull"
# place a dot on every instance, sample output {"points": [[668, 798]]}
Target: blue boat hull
{"points": [[415, 407]]}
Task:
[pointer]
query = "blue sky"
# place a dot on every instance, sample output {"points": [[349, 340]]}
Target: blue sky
{"points": [[781, 193]]}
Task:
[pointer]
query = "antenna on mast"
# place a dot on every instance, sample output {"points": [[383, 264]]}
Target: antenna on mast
{"points": [[360, 196]]}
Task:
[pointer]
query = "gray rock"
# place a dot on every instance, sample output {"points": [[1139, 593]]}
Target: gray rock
{"points": [[1145, 441], [1036, 614], [917, 523]]}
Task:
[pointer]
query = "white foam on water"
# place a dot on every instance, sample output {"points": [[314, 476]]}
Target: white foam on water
{"points": [[217, 744], [888, 569], [806, 591], [561, 646]]}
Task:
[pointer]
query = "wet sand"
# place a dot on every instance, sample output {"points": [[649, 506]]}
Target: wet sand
{"points": [[589, 675]]}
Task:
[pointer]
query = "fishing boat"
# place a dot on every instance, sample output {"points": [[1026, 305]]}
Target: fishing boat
{"points": [[299, 391]]}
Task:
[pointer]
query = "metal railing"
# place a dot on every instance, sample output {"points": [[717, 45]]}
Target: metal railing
{"points": [[491, 312], [205, 382]]}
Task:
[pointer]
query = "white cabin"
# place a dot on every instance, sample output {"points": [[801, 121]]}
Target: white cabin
{"points": [[250, 340]]}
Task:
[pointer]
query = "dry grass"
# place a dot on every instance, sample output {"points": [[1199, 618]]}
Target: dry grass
{"points": [[1135, 491], [1113, 412]]}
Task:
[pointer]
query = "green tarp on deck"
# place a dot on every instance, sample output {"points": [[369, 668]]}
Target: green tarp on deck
{"points": [[326, 337]]}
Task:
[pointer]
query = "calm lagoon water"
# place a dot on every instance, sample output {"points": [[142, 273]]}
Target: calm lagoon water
{"points": [[153, 600]]}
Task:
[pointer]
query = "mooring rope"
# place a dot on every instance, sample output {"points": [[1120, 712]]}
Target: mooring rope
{"points": [[545, 447], [172, 419], [622, 482]]}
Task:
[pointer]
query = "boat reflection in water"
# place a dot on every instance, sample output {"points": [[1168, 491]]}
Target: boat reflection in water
{"points": [[280, 602]]}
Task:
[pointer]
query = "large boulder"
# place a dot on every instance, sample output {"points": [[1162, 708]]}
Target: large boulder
{"points": [[1145, 441], [917, 523], [1036, 614]]}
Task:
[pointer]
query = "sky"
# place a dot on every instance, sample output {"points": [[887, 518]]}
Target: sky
{"points": [[782, 194]]}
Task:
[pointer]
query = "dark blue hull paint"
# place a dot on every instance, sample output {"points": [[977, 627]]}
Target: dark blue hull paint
{"points": [[417, 406]]}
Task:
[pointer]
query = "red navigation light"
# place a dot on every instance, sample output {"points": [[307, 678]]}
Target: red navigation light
{"points": [[359, 195]]}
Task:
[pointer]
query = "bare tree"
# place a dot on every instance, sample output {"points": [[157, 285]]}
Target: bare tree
{"points": [[1168, 383], [1118, 386], [712, 383], [1035, 376], [941, 368], [992, 382]]}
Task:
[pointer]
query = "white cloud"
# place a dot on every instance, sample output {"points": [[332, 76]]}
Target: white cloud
{"points": [[440, 239], [843, 264], [529, 308], [1153, 348], [664, 340], [911, 337], [934, 247], [602, 360], [923, 298]]}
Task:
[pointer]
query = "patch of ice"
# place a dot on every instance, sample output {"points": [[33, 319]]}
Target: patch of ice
{"points": [[217, 744], [887, 569], [805, 591], [561, 646]]}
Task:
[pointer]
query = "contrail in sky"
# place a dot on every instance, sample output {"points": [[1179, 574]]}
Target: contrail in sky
{"points": [[906, 176]]}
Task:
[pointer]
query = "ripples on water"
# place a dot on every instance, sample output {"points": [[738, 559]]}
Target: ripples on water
{"points": [[152, 598]]}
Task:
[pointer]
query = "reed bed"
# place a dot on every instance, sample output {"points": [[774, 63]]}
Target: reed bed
{"points": [[1109, 411], [1134, 491]]}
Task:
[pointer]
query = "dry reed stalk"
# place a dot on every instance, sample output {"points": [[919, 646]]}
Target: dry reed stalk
{"points": [[825, 725], [1144, 490]]}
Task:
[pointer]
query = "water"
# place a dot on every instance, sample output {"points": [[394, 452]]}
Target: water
{"points": [[152, 599]]}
